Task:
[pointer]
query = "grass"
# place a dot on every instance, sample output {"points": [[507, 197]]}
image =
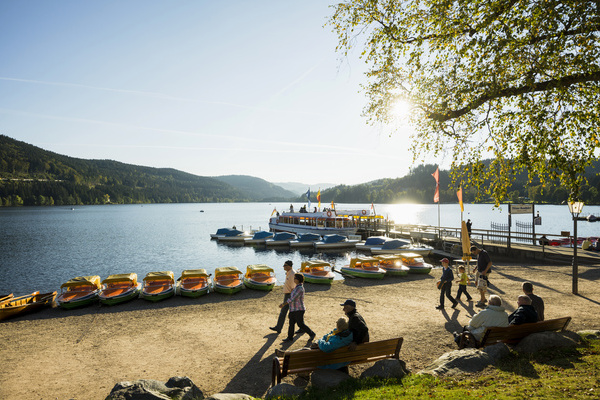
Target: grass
{"points": [[552, 374]]}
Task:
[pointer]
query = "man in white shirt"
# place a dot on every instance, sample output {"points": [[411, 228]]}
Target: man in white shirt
{"points": [[288, 286]]}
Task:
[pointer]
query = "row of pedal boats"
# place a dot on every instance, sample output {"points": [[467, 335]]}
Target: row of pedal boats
{"points": [[156, 286], [375, 245]]}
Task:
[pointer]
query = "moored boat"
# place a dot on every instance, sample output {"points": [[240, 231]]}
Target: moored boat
{"points": [[79, 291], [259, 277], [321, 223], [415, 263], [305, 240], [193, 283], [220, 233], [158, 286], [364, 267], [370, 242], [227, 280], [317, 271], [14, 306], [392, 265], [119, 288], [5, 297], [398, 246], [234, 236], [259, 237], [281, 239], [335, 242]]}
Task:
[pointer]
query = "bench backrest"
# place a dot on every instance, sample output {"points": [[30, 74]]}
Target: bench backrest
{"points": [[306, 360], [514, 333]]}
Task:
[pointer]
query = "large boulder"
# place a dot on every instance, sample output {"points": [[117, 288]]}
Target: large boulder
{"points": [[459, 361], [283, 389], [327, 378], [497, 351], [176, 388], [545, 340], [386, 369]]}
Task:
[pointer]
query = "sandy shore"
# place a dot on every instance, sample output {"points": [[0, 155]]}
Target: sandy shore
{"points": [[223, 342]]}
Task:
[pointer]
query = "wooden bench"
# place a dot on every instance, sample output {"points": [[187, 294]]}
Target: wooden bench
{"points": [[301, 361], [513, 334]]}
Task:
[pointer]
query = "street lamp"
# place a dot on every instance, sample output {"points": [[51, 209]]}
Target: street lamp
{"points": [[575, 208]]}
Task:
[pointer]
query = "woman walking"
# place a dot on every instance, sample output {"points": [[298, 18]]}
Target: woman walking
{"points": [[297, 309]]}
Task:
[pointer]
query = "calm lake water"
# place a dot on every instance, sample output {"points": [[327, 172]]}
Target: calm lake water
{"points": [[42, 247]]}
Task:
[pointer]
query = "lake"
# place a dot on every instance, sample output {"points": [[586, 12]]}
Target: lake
{"points": [[43, 247]]}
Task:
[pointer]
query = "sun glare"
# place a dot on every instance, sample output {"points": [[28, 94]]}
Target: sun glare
{"points": [[401, 110]]}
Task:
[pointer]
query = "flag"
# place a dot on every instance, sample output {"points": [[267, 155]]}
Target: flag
{"points": [[332, 205], [436, 175], [372, 209], [274, 211], [319, 197], [459, 195]]}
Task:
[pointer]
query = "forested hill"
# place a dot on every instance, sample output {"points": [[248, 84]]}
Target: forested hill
{"points": [[257, 188], [33, 176]]}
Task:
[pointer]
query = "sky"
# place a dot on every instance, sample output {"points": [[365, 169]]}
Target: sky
{"points": [[207, 87]]}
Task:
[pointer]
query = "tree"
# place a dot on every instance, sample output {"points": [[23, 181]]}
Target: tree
{"points": [[514, 80]]}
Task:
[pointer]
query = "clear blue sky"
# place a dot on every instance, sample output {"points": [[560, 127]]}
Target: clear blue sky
{"points": [[207, 87]]}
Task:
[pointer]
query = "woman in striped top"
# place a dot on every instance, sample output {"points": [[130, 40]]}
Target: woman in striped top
{"points": [[297, 309]]}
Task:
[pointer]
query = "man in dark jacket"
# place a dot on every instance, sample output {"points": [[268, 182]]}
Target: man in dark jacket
{"points": [[536, 301], [524, 314], [356, 324]]}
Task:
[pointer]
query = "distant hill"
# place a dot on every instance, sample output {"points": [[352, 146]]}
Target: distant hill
{"points": [[257, 188], [300, 188]]}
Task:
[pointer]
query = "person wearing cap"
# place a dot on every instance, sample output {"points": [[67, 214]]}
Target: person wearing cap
{"points": [[462, 284], [446, 285], [356, 324], [288, 286]]}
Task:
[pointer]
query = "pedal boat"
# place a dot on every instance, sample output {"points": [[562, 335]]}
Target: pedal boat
{"points": [[14, 306], [393, 265], [119, 288], [259, 277], [193, 283], [228, 280], [5, 297], [364, 267], [317, 271], [415, 263], [79, 291], [158, 286]]}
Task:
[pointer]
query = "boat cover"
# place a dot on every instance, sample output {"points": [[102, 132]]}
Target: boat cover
{"points": [[233, 232], [258, 268], [376, 241], [334, 238], [227, 271], [364, 260], [262, 235], [394, 244], [93, 280], [222, 231], [284, 236], [315, 263], [159, 276], [412, 258], [309, 237], [132, 277], [194, 273]]}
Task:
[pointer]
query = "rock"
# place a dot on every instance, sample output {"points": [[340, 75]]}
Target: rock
{"points": [[590, 333], [544, 340], [497, 351], [283, 389], [327, 378], [459, 361], [177, 388], [386, 369], [230, 396]]}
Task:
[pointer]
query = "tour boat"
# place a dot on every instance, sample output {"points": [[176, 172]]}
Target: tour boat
{"points": [[259, 237], [228, 280], [14, 306], [193, 283], [393, 265], [317, 271], [415, 263], [335, 242], [119, 288], [259, 277], [79, 291], [321, 223], [364, 267], [281, 239], [158, 286]]}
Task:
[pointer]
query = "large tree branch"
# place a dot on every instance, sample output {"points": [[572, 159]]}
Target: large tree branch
{"points": [[516, 91]]}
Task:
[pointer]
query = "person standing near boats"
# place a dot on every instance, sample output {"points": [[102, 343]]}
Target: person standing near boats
{"points": [[288, 286], [297, 309], [446, 285], [483, 268]]}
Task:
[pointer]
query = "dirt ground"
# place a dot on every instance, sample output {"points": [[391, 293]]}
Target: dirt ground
{"points": [[223, 342]]}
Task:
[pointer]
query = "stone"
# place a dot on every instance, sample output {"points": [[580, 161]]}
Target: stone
{"points": [[497, 351], [386, 369], [545, 340], [177, 388], [327, 378], [459, 361], [283, 389]]}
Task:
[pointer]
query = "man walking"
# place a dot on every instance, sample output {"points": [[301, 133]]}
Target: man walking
{"points": [[483, 268], [288, 286]]}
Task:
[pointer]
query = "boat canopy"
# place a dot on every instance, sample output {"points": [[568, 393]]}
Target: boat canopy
{"points": [[315, 263], [222, 231], [258, 268], [131, 277], [93, 280], [262, 235], [394, 244], [159, 276], [227, 271], [284, 236], [376, 240], [366, 261], [309, 237], [194, 273], [412, 258], [334, 238], [233, 232]]}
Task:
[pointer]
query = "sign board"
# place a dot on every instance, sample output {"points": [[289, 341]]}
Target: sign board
{"points": [[520, 208], [565, 233]]}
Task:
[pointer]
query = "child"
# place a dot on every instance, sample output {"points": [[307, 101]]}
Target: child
{"points": [[446, 285], [462, 284]]}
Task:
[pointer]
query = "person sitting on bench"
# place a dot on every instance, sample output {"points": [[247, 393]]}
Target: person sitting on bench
{"points": [[337, 338], [493, 315], [356, 323], [525, 314]]}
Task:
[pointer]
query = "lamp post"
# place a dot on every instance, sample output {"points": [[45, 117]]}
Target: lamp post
{"points": [[575, 208]]}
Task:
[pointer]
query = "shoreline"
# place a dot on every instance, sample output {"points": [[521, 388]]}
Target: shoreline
{"points": [[223, 343]]}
